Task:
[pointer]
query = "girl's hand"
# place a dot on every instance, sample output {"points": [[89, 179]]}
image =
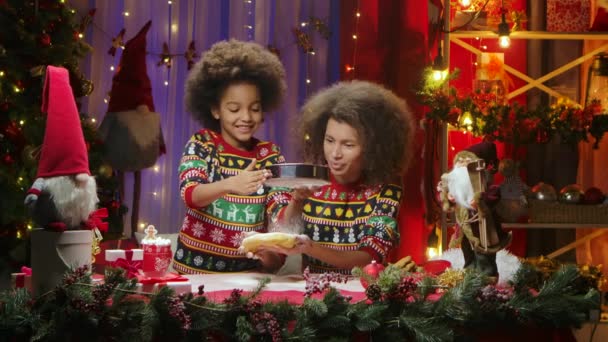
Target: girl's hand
{"points": [[249, 180]]}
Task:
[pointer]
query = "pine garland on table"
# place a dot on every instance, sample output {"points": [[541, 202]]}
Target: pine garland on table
{"points": [[405, 306]]}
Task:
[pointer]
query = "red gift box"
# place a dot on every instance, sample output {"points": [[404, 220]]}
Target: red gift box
{"points": [[178, 283], [22, 279], [129, 260], [568, 15]]}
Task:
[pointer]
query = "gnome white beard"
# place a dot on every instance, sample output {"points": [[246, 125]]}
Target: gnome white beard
{"points": [[460, 187], [74, 202]]}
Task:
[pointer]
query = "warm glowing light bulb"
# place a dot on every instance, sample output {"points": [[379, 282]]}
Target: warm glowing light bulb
{"points": [[22, 122], [169, 2], [80, 35], [354, 36], [16, 89], [303, 24], [431, 252], [1, 73], [156, 168], [358, 14], [465, 3], [166, 83], [308, 80], [439, 75], [105, 100], [142, 225], [126, 14], [93, 120], [466, 119], [111, 68], [155, 193], [504, 41]]}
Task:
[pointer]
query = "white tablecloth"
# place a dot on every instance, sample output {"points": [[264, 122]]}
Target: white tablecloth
{"points": [[249, 281]]}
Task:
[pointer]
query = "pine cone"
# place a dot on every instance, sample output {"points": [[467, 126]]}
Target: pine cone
{"points": [[373, 292]]}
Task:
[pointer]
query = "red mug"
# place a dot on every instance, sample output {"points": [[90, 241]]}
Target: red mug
{"points": [[156, 260]]}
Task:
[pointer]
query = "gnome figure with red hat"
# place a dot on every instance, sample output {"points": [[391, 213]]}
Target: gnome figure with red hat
{"points": [[64, 195], [131, 129]]}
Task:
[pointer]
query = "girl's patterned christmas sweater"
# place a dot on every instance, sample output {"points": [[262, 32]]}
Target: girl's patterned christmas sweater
{"points": [[210, 236]]}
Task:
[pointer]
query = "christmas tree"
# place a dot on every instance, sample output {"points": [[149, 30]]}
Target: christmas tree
{"points": [[35, 34]]}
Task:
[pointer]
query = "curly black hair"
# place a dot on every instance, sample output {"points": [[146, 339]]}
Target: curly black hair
{"points": [[382, 120], [229, 62]]}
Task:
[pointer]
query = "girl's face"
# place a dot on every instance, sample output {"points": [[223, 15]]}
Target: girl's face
{"points": [[343, 151], [240, 114]]}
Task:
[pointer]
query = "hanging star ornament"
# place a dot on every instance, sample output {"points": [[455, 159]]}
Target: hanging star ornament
{"points": [[117, 42], [190, 55], [165, 57], [303, 40], [86, 20], [272, 48], [321, 27]]}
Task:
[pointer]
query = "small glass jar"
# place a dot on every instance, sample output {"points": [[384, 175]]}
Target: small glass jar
{"points": [[157, 259]]}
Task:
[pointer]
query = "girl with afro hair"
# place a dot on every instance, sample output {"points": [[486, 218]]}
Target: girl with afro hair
{"points": [[363, 133], [221, 172]]}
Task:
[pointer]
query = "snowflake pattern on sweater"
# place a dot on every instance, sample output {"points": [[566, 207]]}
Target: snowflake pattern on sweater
{"points": [[347, 218], [210, 236]]}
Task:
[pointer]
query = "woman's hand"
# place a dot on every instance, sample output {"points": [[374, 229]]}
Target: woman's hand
{"points": [[249, 180], [299, 194], [302, 246]]}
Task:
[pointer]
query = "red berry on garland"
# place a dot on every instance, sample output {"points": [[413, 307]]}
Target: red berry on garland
{"points": [[372, 271], [115, 205], [45, 39]]}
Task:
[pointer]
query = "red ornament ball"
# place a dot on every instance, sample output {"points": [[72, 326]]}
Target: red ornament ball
{"points": [[115, 205], [45, 39], [8, 159], [593, 195], [372, 270]]}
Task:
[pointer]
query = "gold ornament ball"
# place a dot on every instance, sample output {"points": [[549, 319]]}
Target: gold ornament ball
{"points": [[105, 171], [29, 155], [544, 192], [571, 194]]}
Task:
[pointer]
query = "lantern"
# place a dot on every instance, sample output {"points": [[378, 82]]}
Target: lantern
{"points": [[597, 81], [432, 248]]}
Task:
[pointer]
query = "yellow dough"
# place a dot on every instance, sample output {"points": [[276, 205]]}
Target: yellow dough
{"points": [[253, 242]]}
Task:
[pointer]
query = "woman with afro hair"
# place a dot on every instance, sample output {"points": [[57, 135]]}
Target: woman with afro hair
{"points": [[363, 133], [221, 172]]}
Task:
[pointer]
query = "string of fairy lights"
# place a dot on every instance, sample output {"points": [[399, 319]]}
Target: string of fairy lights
{"points": [[350, 68]]}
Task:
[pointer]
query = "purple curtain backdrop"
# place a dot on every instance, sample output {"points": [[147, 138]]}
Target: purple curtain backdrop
{"points": [[268, 22]]}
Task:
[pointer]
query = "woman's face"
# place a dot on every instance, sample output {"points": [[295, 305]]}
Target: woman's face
{"points": [[240, 114], [343, 151]]}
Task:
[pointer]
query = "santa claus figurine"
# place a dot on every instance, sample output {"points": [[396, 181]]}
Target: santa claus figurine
{"points": [[64, 195], [464, 191]]}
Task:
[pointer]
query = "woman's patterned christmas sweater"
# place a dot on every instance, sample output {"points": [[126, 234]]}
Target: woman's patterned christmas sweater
{"points": [[348, 218], [210, 236]]}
